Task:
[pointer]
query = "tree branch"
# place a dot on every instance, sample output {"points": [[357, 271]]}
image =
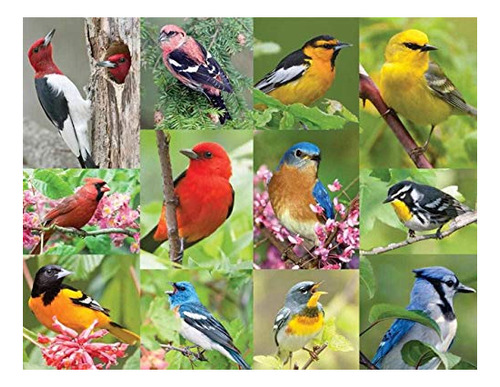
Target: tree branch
{"points": [[369, 91], [84, 233], [316, 351], [458, 223], [170, 198], [363, 360], [186, 351]]}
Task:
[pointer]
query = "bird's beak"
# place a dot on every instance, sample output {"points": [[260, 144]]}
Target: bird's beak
{"points": [[388, 199], [428, 47], [316, 294], [340, 45], [461, 288], [64, 273], [190, 154], [48, 37], [162, 37], [107, 63], [316, 286], [105, 189], [171, 292]]}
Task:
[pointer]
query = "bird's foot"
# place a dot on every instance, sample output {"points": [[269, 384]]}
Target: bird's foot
{"points": [[313, 354], [438, 234], [304, 126], [388, 111], [411, 234], [418, 151]]}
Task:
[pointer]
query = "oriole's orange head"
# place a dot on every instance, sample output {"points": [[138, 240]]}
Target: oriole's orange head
{"points": [[208, 158]]}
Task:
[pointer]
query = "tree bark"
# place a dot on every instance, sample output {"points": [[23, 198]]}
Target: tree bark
{"points": [[116, 107]]}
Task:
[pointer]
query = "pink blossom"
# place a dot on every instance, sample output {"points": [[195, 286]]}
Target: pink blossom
{"points": [[296, 240], [70, 350], [335, 186], [316, 208], [153, 360]]}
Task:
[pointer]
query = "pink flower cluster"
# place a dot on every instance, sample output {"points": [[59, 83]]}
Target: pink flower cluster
{"points": [[70, 350], [338, 238], [34, 204], [114, 211], [153, 360]]}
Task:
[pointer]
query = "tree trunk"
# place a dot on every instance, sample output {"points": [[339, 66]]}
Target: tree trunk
{"points": [[116, 107]]}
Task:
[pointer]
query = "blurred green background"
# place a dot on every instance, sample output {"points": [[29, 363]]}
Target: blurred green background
{"points": [[112, 280], [292, 33], [231, 245], [228, 296], [242, 61], [341, 304], [454, 142], [380, 225], [394, 281]]}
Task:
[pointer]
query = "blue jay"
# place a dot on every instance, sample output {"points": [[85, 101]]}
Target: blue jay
{"points": [[199, 326], [433, 294]]}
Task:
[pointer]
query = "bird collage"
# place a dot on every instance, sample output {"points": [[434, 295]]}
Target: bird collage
{"points": [[237, 193]]}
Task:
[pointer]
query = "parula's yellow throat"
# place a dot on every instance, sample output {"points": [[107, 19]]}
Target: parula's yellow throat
{"points": [[402, 210]]}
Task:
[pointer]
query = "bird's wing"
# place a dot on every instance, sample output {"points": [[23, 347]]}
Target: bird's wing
{"points": [[230, 210], [81, 299], [288, 70], [321, 196], [207, 73], [438, 202], [198, 317], [68, 204], [280, 321], [396, 332], [439, 83]]}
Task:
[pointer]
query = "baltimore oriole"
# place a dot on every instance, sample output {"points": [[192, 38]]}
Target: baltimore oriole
{"points": [[51, 298]]}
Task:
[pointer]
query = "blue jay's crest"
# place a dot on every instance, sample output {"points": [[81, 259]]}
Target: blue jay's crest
{"points": [[434, 272], [301, 154], [182, 292]]}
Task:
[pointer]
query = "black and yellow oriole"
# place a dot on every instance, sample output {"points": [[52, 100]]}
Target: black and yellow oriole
{"points": [[305, 75], [51, 298]]}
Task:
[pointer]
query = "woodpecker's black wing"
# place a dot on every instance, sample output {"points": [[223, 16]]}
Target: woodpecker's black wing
{"points": [[54, 104]]}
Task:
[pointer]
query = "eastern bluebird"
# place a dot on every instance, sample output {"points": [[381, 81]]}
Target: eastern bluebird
{"points": [[199, 326], [295, 186], [433, 293]]}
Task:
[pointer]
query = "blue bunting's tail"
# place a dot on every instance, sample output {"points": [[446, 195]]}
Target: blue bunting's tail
{"points": [[238, 359]]}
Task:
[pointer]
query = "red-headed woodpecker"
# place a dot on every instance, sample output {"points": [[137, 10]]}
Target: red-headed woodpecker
{"points": [[61, 100], [191, 64], [118, 66]]}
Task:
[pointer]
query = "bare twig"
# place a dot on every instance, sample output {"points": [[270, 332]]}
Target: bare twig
{"points": [[369, 91], [136, 281], [363, 360], [84, 233], [169, 196], [27, 275], [186, 351], [316, 351], [458, 223]]}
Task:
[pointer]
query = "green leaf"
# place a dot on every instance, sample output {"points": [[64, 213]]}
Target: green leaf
{"points": [[98, 244], [470, 145], [66, 250], [367, 276], [269, 362], [336, 342], [287, 121], [49, 184], [464, 365], [81, 266], [381, 312], [416, 354], [133, 362]]}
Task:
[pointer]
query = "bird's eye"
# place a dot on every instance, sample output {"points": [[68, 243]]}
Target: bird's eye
{"points": [[403, 196], [449, 283], [328, 46], [49, 271], [298, 153], [208, 155], [121, 60], [36, 49], [412, 46], [171, 33], [181, 288]]}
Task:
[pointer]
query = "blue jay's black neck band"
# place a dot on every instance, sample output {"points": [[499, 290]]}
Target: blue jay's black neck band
{"points": [[445, 306]]}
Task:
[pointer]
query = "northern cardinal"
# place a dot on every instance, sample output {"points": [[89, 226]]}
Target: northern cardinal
{"points": [[205, 196], [75, 210]]}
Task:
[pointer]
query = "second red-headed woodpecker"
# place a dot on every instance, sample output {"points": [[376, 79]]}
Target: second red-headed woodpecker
{"points": [[61, 100], [118, 66], [191, 64]]}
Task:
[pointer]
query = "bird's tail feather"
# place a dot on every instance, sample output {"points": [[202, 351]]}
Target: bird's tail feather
{"points": [[123, 334], [149, 243], [238, 359], [218, 102], [472, 111], [86, 160]]}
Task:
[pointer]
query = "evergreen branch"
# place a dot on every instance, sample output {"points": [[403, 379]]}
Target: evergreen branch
{"points": [[458, 223], [171, 200], [369, 91]]}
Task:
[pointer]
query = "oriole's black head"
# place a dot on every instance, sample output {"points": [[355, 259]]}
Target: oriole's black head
{"points": [[47, 278]]}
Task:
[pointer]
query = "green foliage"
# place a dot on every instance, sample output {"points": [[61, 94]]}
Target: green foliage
{"points": [[380, 225], [50, 184], [265, 48], [336, 341], [184, 108], [451, 145], [280, 116], [416, 354], [382, 312], [227, 297], [367, 276]]}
